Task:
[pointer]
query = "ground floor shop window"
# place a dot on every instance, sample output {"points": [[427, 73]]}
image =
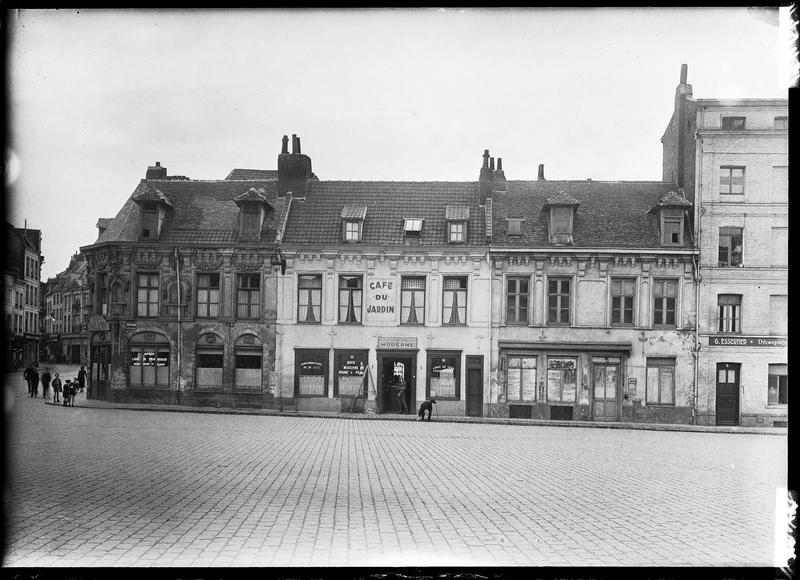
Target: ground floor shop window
{"points": [[660, 381], [210, 360], [248, 354], [444, 374], [562, 379], [311, 373], [149, 356], [351, 368], [521, 378], [778, 387]]}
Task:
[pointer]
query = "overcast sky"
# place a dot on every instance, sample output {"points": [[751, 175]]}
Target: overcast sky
{"points": [[97, 96]]}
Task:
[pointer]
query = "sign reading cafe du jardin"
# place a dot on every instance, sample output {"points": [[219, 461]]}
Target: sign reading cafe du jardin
{"points": [[745, 341], [381, 300]]}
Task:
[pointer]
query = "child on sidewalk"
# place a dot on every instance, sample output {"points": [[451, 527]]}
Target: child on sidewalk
{"points": [[56, 384]]}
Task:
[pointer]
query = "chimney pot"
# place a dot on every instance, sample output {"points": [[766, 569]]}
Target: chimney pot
{"points": [[295, 145], [158, 164], [541, 172], [486, 159], [285, 145], [499, 164], [684, 71], [491, 163]]}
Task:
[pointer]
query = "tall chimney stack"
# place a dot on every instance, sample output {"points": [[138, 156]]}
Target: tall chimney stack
{"points": [[498, 177], [295, 145], [485, 178], [541, 172], [491, 163], [285, 145]]}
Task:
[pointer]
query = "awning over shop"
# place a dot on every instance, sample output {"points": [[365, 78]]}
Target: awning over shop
{"points": [[593, 346]]}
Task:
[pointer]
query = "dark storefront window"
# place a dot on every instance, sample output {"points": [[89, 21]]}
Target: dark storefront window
{"points": [[311, 373], [209, 362], [562, 379], [350, 369], [444, 375], [521, 378], [149, 361], [778, 387]]}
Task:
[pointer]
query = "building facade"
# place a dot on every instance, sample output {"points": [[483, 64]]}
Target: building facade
{"points": [[182, 292], [66, 315], [736, 154], [22, 295]]}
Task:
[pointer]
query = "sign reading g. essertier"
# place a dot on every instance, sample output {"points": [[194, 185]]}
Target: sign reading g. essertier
{"points": [[745, 341], [381, 300]]}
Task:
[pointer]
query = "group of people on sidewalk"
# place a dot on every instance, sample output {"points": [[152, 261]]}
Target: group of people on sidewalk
{"points": [[69, 388]]}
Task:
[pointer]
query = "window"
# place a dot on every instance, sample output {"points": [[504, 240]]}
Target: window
{"points": [[443, 375], [558, 300], [664, 295], [149, 356], [248, 296], [309, 298], [147, 295], [521, 378], [778, 314], [780, 183], [561, 220], [781, 123], [660, 381], [514, 226], [733, 123], [412, 230], [248, 351], [351, 369], [778, 385], [311, 373], [779, 247], [412, 300], [729, 308], [731, 180], [457, 232], [207, 295], [251, 221], [352, 231], [454, 300], [351, 291], [671, 227], [730, 247], [517, 300], [562, 379], [149, 220], [209, 363], [623, 292]]}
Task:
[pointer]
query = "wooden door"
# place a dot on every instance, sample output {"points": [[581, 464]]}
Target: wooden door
{"points": [[606, 391], [728, 393], [474, 386]]}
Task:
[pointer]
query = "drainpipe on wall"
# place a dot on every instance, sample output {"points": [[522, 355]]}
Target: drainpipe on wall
{"points": [[491, 347], [696, 268], [180, 323]]}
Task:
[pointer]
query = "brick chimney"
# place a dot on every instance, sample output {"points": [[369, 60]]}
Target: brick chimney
{"points": [[294, 169], [485, 178], [156, 171], [498, 177], [541, 172]]}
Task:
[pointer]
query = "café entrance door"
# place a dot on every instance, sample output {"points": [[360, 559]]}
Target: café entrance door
{"points": [[394, 370]]}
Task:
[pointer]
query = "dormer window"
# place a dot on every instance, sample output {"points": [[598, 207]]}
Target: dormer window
{"points": [[733, 123], [456, 217], [514, 226], [671, 227], [353, 222], [251, 222], [562, 209], [149, 220], [412, 231], [253, 207]]}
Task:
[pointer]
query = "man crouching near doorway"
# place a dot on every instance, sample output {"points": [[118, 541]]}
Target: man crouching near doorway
{"points": [[426, 406]]}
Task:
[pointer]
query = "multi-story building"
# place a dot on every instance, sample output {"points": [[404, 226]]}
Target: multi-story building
{"points": [[66, 314], [733, 155], [182, 291], [22, 307]]}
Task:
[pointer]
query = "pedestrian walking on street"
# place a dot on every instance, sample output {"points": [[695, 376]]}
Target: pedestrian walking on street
{"points": [[34, 383], [82, 378], [45, 384], [56, 388], [27, 376]]}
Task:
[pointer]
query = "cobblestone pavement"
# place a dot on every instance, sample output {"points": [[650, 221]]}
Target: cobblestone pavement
{"points": [[104, 487]]}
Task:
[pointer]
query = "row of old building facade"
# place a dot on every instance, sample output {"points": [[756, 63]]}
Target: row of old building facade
{"points": [[590, 300]]}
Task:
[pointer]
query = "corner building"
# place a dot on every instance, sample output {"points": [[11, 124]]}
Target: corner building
{"points": [[734, 153]]}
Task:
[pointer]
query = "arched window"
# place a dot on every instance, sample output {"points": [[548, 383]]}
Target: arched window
{"points": [[249, 352], [210, 361], [149, 356]]}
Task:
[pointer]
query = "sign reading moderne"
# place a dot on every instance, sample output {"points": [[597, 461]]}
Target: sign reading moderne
{"points": [[745, 341]]}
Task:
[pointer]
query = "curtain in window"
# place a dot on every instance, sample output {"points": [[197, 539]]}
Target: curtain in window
{"points": [[454, 301], [350, 296], [412, 310], [309, 298]]}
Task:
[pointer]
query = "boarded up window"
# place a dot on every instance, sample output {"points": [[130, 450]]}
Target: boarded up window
{"points": [[778, 315]]}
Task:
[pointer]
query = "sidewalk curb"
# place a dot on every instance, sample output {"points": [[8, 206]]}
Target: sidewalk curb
{"points": [[446, 419]]}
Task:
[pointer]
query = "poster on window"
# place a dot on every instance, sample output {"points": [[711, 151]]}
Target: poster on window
{"points": [[443, 378], [350, 374], [561, 379], [381, 300]]}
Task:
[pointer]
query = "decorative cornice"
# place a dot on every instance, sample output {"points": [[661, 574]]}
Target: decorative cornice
{"points": [[147, 259], [207, 259], [247, 261]]}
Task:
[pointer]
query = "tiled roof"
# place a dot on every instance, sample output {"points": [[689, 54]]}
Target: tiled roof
{"points": [[456, 212], [250, 174], [317, 220], [103, 222], [611, 214], [252, 194], [561, 198], [671, 199], [203, 212], [151, 193]]}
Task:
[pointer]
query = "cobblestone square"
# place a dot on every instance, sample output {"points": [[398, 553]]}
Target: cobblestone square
{"points": [[106, 487]]}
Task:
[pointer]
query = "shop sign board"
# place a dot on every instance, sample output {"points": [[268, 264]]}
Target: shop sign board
{"points": [[388, 342], [745, 341], [381, 300]]}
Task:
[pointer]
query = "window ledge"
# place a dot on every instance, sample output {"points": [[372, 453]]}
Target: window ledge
{"points": [[664, 405], [777, 405]]}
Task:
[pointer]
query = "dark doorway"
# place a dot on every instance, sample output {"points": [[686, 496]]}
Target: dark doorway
{"points": [[394, 370], [474, 386], [728, 393], [75, 354], [99, 371]]}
